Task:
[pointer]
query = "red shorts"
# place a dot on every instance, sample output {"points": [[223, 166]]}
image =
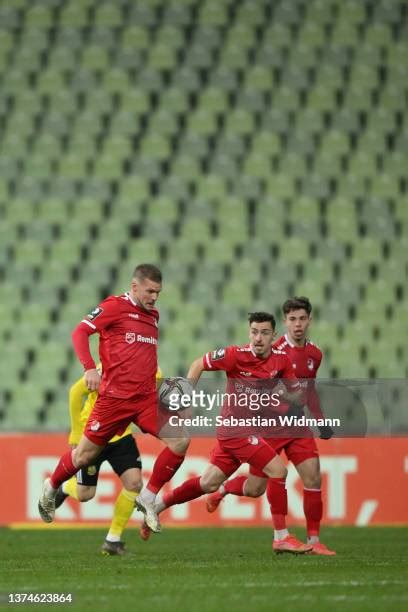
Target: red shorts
{"points": [[296, 450], [228, 455], [111, 416]]}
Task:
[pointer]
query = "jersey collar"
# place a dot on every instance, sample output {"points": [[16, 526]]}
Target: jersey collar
{"points": [[294, 345]]}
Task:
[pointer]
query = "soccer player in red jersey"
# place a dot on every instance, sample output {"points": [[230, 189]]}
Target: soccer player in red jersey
{"points": [[260, 361], [305, 358], [128, 333]]}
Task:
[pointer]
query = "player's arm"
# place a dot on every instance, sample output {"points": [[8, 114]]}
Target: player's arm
{"points": [[76, 396], [220, 359], [195, 370], [94, 322], [313, 404]]}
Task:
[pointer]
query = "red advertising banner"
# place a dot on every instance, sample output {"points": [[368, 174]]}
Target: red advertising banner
{"points": [[365, 482]]}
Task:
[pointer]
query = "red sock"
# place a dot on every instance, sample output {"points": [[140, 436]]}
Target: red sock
{"points": [[166, 464], [236, 485], [278, 501], [64, 470], [313, 509], [190, 489]]}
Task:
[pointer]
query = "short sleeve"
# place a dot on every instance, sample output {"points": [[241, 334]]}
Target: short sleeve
{"points": [[220, 359], [103, 315]]}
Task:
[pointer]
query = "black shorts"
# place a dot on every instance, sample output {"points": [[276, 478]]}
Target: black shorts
{"points": [[122, 455]]}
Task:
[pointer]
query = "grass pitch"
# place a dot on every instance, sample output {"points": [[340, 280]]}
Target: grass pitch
{"points": [[220, 570]]}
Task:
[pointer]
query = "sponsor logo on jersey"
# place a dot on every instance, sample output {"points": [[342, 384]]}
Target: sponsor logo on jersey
{"points": [[95, 313], [310, 364], [133, 315], [246, 373], [273, 373], [147, 339], [131, 337], [253, 440], [218, 354], [95, 425]]}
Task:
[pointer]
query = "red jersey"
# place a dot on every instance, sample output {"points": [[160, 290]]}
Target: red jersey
{"points": [[241, 364], [128, 336], [305, 361]]}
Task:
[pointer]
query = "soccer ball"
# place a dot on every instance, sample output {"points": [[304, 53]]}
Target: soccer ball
{"points": [[172, 389]]}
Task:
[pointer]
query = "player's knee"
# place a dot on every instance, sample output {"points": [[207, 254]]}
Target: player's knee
{"points": [[179, 445], [254, 490], [83, 459], [85, 495], [312, 481], [281, 472], [209, 484], [135, 485]]}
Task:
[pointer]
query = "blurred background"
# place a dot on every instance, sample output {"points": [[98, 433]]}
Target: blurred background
{"points": [[253, 149]]}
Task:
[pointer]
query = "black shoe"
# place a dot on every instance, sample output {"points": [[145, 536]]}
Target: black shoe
{"points": [[113, 548], [60, 497]]}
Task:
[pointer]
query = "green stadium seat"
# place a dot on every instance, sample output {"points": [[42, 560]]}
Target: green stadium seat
{"points": [[174, 100], [116, 81], [240, 122], [164, 123], [266, 143], [211, 186], [311, 35], [109, 15], [150, 80], [39, 17], [186, 167], [162, 57]]}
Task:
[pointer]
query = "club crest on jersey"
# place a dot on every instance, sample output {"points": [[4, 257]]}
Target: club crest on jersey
{"points": [[95, 313], [310, 364], [95, 425], [218, 354], [253, 440], [130, 337]]}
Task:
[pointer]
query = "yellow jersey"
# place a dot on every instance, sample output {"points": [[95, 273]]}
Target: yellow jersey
{"points": [[81, 403]]}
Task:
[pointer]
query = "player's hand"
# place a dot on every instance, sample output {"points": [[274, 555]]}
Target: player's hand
{"points": [[92, 379], [326, 432]]}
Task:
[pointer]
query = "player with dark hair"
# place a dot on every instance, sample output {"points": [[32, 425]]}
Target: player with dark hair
{"points": [[305, 358], [260, 361], [128, 334]]}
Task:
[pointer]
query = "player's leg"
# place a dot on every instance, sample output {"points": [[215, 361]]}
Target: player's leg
{"points": [[309, 472], [210, 481], [125, 460], [275, 469], [107, 418], [222, 464], [82, 486], [244, 485], [168, 461], [68, 465]]}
